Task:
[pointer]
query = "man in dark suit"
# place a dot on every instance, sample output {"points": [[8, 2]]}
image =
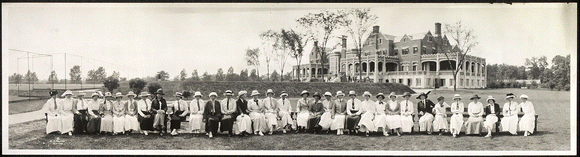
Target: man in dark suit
{"points": [[159, 106], [212, 114], [425, 110]]}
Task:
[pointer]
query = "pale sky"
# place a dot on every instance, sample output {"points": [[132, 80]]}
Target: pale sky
{"points": [[142, 39]]}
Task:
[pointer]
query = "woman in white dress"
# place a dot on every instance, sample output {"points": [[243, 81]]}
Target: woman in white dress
{"points": [[118, 115], [528, 120], [338, 114], [66, 115], [492, 112], [509, 122], [257, 114], [196, 114], [284, 110], [51, 110], [440, 121], [474, 123], [456, 121], [380, 120], [131, 121], [393, 111], [107, 114], [407, 113], [366, 120], [353, 112], [270, 111], [94, 124], [303, 113], [326, 118], [243, 126], [145, 117]]}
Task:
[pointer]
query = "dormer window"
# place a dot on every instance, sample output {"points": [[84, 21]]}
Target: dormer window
{"points": [[430, 38], [380, 41]]}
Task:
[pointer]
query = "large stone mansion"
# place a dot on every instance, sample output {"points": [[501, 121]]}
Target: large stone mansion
{"points": [[417, 60]]}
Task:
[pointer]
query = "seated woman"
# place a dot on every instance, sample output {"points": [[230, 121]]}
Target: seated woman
{"points": [[353, 111], [528, 120], [212, 114], [326, 118], [180, 111], [145, 113], [243, 120], [366, 120], [256, 109], [406, 113], [509, 122], [106, 110], [50, 108], [456, 122], [80, 108], [196, 114], [65, 110], [474, 124], [94, 124], [425, 108], [284, 110], [270, 111], [118, 115], [492, 112], [440, 122], [380, 121], [393, 112], [131, 121], [303, 114], [316, 109], [338, 114]]}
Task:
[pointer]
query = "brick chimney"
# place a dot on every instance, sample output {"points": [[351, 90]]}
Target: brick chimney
{"points": [[438, 29], [375, 29], [344, 42]]}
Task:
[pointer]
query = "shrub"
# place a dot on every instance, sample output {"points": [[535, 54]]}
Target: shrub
{"points": [[111, 83], [137, 85], [153, 87], [186, 94]]}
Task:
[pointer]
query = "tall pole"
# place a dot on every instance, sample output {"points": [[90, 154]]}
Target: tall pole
{"points": [[52, 69], [65, 71], [18, 72], [28, 64], [81, 72]]}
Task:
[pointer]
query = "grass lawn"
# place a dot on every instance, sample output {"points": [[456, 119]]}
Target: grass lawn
{"points": [[25, 106], [553, 134]]}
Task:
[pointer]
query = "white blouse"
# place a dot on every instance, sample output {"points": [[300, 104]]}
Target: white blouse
{"points": [[528, 108], [284, 105], [510, 109], [406, 107], [357, 106], [457, 107], [475, 109], [196, 108]]}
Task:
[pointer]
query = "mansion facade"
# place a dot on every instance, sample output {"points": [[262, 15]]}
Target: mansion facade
{"points": [[417, 60]]}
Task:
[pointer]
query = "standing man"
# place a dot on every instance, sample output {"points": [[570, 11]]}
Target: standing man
{"points": [[228, 108], [145, 116], [270, 110], [81, 115], [212, 114], [244, 122], [159, 107], [425, 108], [284, 110]]}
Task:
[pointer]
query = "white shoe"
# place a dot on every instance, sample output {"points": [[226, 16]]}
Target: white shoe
{"points": [[70, 133], [145, 132], [488, 135], [284, 131], [260, 133]]}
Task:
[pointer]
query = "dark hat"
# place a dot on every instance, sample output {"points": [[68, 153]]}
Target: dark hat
{"points": [[474, 96], [160, 91], [53, 92], [510, 95], [381, 95], [406, 94], [422, 94], [316, 94], [440, 98]]}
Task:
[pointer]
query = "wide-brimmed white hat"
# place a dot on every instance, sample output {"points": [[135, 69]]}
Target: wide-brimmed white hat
{"points": [[367, 93], [242, 92], [304, 92], [380, 94], [118, 94], [67, 92], [269, 91], [197, 94], [327, 94], [228, 92], [213, 94], [351, 93], [255, 92], [490, 98], [108, 94], [339, 93], [392, 95], [283, 94], [178, 94], [523, 96], [144, 94], [95, 94], [510, 95], [131, 93], [81, 94], [456, 96]]}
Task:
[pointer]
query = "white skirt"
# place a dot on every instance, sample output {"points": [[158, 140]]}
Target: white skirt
{"points": [[243, 123], [490, 121], [286, 118], [259, 121], [325, 120], [380, 121], [271, 119], [107, 123], [66, 123], [393, 121], [302, 119], [338, 122], [407, 123], [53, 124], [456, 122], [131, 123], [510, 124], [527, 123], [440, 122], [118, 124], [195, 122], [366, 120]]}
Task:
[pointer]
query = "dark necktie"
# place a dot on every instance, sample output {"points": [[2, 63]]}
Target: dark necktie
{"points": [[228, 105], [198, 108], [406, 105], [353, 104], [256, 100], [55, 104]]}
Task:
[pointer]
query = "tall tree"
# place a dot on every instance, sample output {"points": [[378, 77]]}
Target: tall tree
{"points": [[116, 74], [75, 74], [244, 75], [358, 23], [275, 75], [162, 75], [296, 42], [283, 52], [182, 75], [205, 77], [320, 28], [52, 78], [219, 76], [137, 85], [111, 83], [17, 78], [536, 66], [253, 58], [254, 76], [270, 43], [561, 69], [97, 75], [30, 77], [194, 75], [465, 41], [231, 76]]}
